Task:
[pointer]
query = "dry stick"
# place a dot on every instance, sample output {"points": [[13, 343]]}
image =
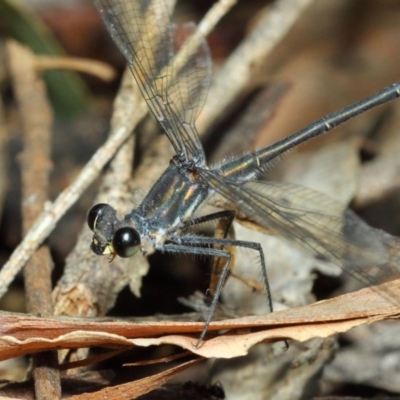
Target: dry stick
{"points": [[92, 67], [47, 220], [89, 285], [49, 217], [239, 69], [35, 165], [207, 24]]}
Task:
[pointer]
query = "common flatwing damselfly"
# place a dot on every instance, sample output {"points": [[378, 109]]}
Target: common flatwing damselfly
{"points": [[175, 95]]}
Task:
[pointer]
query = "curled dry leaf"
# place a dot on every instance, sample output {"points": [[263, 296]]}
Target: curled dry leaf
{"points": [[22, 334]]}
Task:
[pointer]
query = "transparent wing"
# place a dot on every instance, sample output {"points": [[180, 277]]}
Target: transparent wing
{"points": [[143, 32], [188, 90], [316, 223]]}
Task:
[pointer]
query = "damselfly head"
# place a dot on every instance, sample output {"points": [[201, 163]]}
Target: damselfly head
{"points": [[110, 237]]}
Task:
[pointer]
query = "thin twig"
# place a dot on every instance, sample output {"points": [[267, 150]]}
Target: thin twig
{"points": [[92, 67], [35, 164], [207, 24], [90, 285], [238, 71]]}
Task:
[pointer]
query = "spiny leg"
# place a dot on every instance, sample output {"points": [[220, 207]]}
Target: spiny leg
{"points": [[179, 248], [188, 244], [223, 230]]}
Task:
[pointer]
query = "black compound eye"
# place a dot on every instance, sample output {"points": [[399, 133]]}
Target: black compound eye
{"points": [[126, 242], [95, 212]]}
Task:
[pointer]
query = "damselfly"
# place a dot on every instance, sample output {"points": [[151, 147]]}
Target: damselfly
{"points": [[143, 32]]}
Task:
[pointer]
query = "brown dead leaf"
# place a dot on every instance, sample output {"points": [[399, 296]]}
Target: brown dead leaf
{"points": [[21, 334], [132, 390]]}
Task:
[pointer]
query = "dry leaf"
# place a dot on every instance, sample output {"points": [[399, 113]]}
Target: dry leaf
{"points": [[22, 334], [132, 390]]}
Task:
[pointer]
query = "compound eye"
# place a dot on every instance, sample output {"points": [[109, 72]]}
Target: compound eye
{"points": [[126, 242], [95, 212]]}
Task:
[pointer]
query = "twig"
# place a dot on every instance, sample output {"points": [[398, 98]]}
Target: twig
{"points": [[90, 285], [35, 164], [238, 71], [92, 67], [207, 24], [47, 220]]}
